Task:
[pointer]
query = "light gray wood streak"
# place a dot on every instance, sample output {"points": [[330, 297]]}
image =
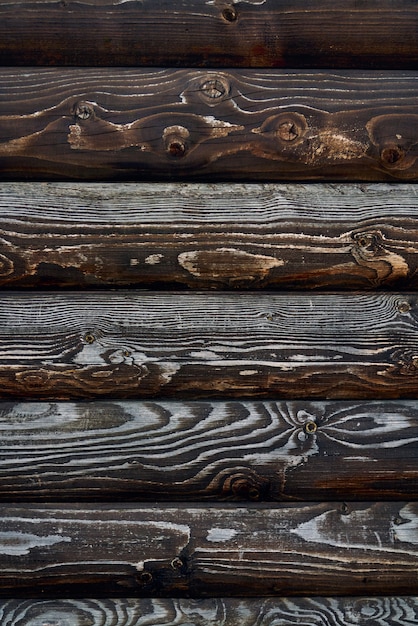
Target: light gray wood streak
{"points": [[224, 236], [208, 450], [391, 611]]}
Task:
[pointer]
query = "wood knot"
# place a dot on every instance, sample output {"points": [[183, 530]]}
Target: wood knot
{"points": [[391, 156], [369, 242], [247, 487], [344, 509], [286, 127], [177, 563], [403, 306], [89, 338], [230, 14], [408, 364], [215, 89], [288, 131], [310, 427], [175, 140], [33, 379], [83, 111], [145, 578]]}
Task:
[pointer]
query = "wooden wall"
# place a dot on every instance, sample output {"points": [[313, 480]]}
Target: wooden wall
{"points": [[208, 313]]}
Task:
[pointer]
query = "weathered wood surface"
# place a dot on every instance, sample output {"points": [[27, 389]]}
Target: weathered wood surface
{"points": [[208, 450], [130, 345], [223, 236], [341, 611], [104, 124], [307, 549], [273, 33], [335, 346]]}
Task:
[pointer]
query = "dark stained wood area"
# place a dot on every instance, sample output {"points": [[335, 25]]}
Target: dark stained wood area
{"points": [[400, 611], [128, 345], [248, 451], [257, 33], [104, 124], [226, 236], [306, 549]]}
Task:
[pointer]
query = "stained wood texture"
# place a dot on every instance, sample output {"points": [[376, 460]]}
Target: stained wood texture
{"points": [[125, 345], [196, 125], [308, 549], [224, 236], [272, 33], [208, 450], [391, 611]]}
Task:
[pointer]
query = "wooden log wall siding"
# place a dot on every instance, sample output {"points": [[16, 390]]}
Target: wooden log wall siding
{"points": [[218, 451], [224, 236], [209, 551], [248, 33], [127, 345], [360, 549], [104, 124], [388, 611], [236, 445]]}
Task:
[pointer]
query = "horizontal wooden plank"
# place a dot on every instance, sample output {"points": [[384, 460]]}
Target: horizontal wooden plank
{"points": [[274, 33], [104, 124], [150, 344], [208, 450], [306, 549], [343, 236], [391, 611]]}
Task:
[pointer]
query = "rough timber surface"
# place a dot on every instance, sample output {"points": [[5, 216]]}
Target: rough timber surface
{"points": [[151, 344], [208, 450], [104, 124], [390, 611], [224, 236], [269, 33], [306, 549]]}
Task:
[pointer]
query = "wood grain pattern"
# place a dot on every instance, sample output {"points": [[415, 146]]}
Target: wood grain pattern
{"points": [[104, 124], [130, 345], [390, 611], [225, 236], [208, 450], [272, 33], [308, 549]]}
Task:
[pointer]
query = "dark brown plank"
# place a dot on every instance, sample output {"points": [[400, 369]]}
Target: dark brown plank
{"points": [[308, 549], [104, 124], [205, 236], [390, 611], [128, 345], [257, 33], [208, 450]]}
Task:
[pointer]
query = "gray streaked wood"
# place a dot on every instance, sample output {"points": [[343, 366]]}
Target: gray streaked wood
{"points": [[212, 450], [337, 611], [162, 124], [271, 33], [203, 344], [150, 344], [305, 549], [290, 236]]}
